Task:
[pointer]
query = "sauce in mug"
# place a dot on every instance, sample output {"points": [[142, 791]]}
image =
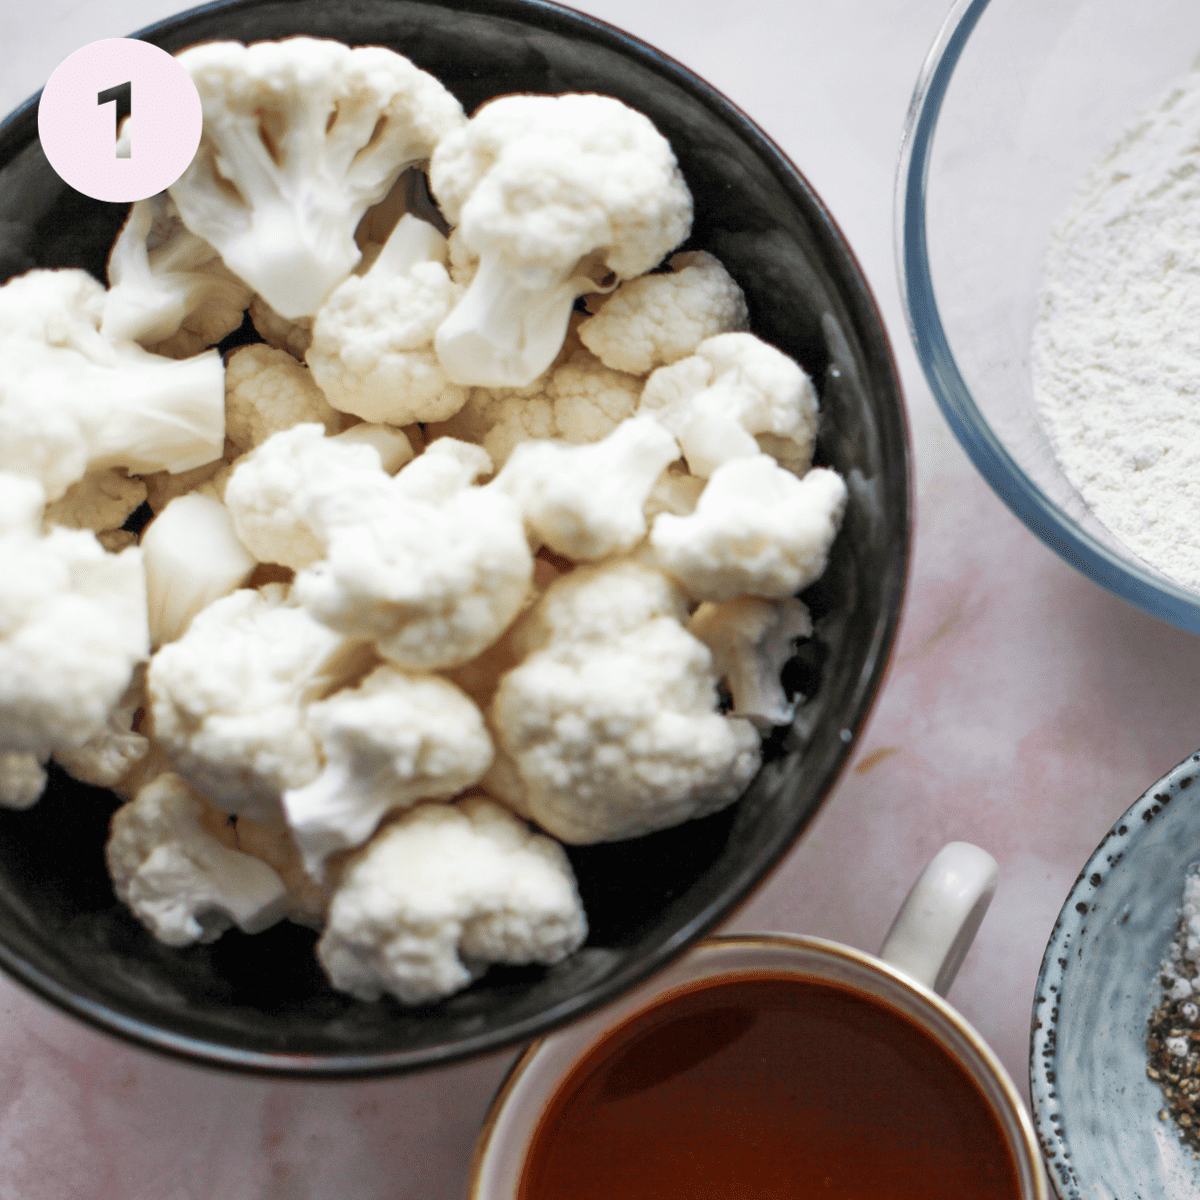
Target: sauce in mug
{"points": [[768, 1088]]}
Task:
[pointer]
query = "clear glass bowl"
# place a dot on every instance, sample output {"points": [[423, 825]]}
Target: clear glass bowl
{"points": [[1016, 100]]}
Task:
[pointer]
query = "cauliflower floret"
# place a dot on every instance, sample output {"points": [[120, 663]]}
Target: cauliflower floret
{"points": [[192, 557], [757, 531], [227, 698], [300, 137], [22, 779], [372, 347], [73, 401], [656, 320], [589, 400], [579, 401], [266, 391], [608, 728], [594, 603], [428, 567], [735, 396], [113, 753], [556, 196], [100, 501], [442, 892], [268, 489], [165, 281], [585, 502], [393, 740], [176, 866], [72, 629], [751, 640]]}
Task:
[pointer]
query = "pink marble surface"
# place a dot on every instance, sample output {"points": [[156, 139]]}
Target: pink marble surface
{"points": [[1024, 711]]}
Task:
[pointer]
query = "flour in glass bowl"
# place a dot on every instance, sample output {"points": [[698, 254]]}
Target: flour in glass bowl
{"points": [[1116, 346]]}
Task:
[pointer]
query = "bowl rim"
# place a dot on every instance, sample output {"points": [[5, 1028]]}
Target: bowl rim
{"points": [[867, 321], [1048, 1117], [1149, 591]]}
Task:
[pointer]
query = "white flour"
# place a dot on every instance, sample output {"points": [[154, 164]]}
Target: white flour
{"points": [[1116, 348]]}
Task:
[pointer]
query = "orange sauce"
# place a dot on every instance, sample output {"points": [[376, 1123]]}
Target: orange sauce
{"points": [[765, 1088]]}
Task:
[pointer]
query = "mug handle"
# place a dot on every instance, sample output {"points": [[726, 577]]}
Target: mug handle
{"points": [[940, 916]]}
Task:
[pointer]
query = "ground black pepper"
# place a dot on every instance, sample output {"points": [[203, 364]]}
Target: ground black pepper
{"points": [[1177, 1017]]}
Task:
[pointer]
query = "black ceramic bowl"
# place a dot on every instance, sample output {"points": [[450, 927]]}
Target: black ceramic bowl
{"points": [[260, 1004]]}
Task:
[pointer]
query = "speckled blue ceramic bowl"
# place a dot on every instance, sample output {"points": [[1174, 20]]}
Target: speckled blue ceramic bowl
{"points": [[1094, 1108]]}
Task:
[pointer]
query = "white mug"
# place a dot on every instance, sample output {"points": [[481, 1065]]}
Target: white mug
{"points": [[918, 961]]}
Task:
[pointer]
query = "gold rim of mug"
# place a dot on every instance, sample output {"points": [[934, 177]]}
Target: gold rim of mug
{"points": [[776, 941]]}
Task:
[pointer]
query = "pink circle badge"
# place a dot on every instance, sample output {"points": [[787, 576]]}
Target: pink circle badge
{"points": [[120, 119]]}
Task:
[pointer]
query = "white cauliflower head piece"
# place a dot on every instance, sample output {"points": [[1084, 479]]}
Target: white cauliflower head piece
{"points": [[427, 566], [74, 401], [609, 728], [387, 743], [300, 137], [22, 779], [586, 502], [442, 892], [72, 627], [267, 391], [175, 865], [268, 491], [372, 346], [757, 531], [578, 401], [656, 320], [555, 196], [736, 396], [227, 698], [751, 640]]}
